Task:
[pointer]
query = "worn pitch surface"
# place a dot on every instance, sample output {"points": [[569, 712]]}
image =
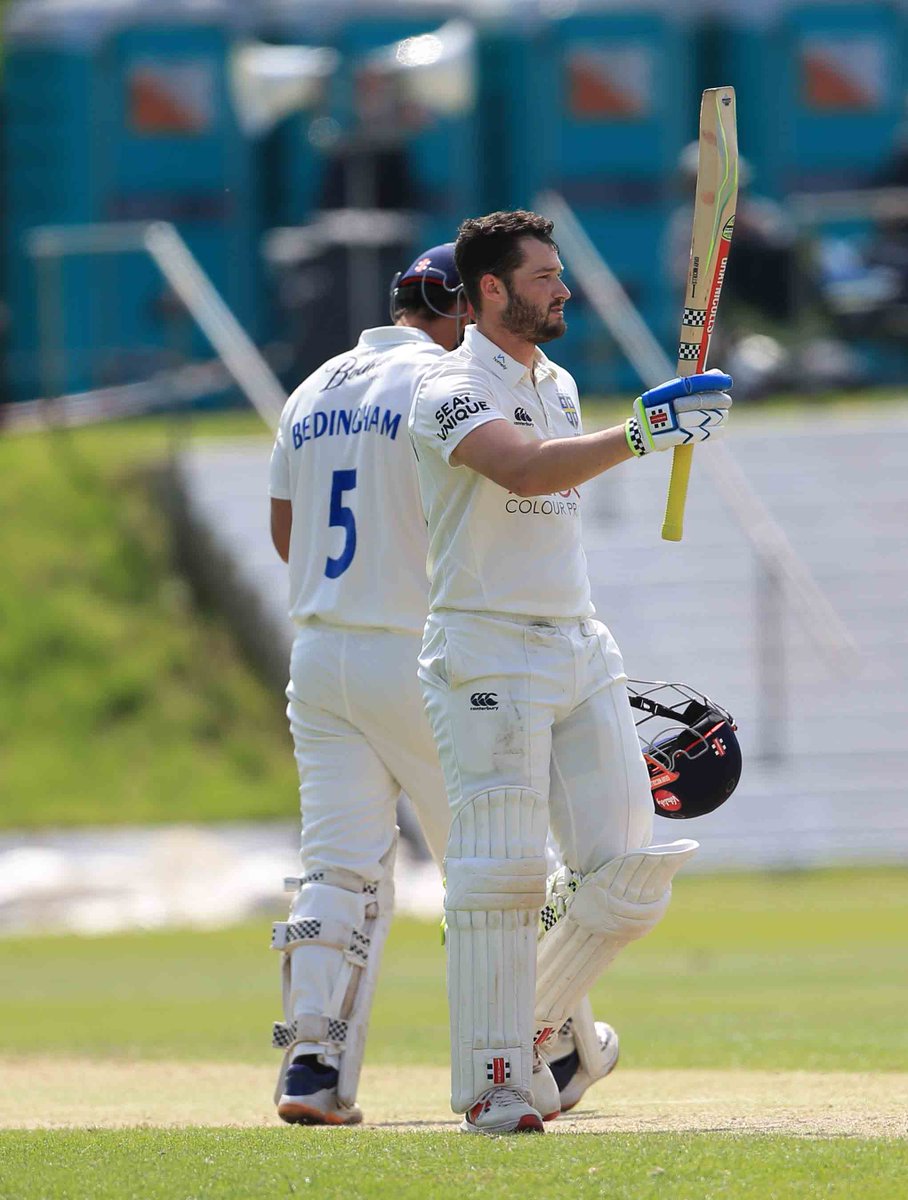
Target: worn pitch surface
{"points": [[44, 1092]]}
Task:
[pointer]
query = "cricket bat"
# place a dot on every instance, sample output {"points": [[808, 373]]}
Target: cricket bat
{"points": [[714, 221]]}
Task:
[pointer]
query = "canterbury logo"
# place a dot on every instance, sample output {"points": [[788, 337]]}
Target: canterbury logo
{"points": [[484, 700], [522, 417]]}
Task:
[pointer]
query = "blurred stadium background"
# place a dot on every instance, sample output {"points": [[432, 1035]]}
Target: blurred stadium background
{"points": [[201, 200]]}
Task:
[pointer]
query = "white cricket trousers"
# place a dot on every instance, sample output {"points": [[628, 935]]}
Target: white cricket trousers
{"points": [[533, 727], [560, 725], [360, 737]]}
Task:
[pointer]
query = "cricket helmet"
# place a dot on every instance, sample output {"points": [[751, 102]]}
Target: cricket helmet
{"points": [[689, 745], [433, 268]]}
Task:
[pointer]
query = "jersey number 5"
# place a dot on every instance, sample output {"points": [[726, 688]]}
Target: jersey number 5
{"points": [[342, 516]]}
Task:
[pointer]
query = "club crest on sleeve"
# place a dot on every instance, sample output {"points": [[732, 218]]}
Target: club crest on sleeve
{"points": [[569, 408]]}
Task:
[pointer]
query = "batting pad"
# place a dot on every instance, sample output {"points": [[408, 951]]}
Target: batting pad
{"points": [[495, 886], [586, 1040], [332, 948], [613, 906]]}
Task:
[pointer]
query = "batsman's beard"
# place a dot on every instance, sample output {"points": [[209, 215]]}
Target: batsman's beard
{"points": [[534, 324]]}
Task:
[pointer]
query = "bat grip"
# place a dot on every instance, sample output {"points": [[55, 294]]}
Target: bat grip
{"points": [[673, 523]]}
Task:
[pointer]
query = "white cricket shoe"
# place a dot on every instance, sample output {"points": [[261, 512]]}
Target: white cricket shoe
{"points": [[502, 1110], [546, 1095], [575, 1073], [310, 1096]]}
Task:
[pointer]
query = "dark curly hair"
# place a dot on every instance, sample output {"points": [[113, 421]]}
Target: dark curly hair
{"points": [[490, 245]]}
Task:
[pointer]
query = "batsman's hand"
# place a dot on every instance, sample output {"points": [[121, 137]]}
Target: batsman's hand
{"points": [[679, 413]]}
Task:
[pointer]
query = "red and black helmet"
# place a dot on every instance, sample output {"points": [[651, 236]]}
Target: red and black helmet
{"points": [[690, 748]]}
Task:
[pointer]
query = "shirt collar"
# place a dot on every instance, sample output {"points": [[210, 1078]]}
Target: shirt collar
{"points": [[502, 365], [393, 335]]}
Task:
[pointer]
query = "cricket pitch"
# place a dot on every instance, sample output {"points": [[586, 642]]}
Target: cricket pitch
{"points": [[55, 1093]]}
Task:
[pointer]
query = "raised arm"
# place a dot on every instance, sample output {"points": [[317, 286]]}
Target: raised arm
{"points": [[529, 467], [678, 412]]}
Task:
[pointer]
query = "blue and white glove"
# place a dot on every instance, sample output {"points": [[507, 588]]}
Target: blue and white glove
{"points": [[679, 413]]}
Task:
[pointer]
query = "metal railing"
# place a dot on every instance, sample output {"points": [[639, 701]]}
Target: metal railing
{"points": [[783, 577], [48, 244]]}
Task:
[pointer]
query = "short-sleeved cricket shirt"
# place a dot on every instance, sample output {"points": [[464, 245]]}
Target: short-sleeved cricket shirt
{"points": [[343, 458], [491, 550]]}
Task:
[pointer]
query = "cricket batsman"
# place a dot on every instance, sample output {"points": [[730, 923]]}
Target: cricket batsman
{"points": [[346, 514], [525, 690]]}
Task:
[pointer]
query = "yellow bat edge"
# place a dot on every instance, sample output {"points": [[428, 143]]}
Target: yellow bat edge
{"points": [[717, 170]]}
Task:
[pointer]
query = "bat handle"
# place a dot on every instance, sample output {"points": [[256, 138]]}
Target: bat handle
{"points": [[673, 523]]}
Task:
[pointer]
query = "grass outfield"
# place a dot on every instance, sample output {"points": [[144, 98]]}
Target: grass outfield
{"points": [[349, 1165], [119, 701], [763, 1006], [797, 971]]}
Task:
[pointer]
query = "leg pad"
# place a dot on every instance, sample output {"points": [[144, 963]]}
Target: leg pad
{"points": [[621, 901], [495, 886]]}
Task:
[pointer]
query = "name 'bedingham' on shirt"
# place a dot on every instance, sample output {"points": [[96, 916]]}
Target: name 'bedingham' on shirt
{"points": [[368, 418]]}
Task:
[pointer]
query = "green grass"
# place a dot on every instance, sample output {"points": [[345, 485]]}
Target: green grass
{"points": [[775, 971], [349, 1164], [119, 700], [788, 972]]}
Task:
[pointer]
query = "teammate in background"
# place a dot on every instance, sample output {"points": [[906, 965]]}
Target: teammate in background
{"points": [[346, 513], [525, 691]]}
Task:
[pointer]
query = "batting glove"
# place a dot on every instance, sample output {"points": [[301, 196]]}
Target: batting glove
{"points": [[679, 413]]}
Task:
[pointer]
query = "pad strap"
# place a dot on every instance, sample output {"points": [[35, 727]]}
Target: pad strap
{"points": [[332, 877], [287, 935], [329, 1031]]}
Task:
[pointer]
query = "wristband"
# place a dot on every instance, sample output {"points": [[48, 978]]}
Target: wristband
{"points": [[635, 441]]}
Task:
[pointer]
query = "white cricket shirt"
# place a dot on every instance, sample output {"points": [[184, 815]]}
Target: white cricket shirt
{"points": [[490, 550], [343, 458]]}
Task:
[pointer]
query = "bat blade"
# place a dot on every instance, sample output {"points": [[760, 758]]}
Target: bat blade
{"points": [[713, 224]]}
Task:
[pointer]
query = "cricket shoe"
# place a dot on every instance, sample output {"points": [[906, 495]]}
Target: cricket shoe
{"points": [[310, 1095], [575, 1074], [502, 1110], [546, 1093]]}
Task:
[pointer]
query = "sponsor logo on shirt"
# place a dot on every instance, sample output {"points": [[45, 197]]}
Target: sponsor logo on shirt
{"points": [[559, 504], [455, 410], [569, 409], [501, 360], [483, 701], [522, 417]]}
